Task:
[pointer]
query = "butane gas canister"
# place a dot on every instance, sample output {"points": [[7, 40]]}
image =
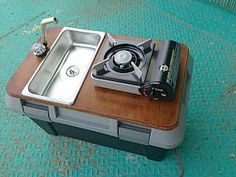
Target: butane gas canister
{"points": [[160, 83]]}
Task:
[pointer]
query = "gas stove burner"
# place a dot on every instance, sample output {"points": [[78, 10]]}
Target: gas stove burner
{"points": [[123, 63], [123, 57]]}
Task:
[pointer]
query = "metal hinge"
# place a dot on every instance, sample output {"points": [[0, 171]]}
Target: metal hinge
{"points": [[36, 111]]}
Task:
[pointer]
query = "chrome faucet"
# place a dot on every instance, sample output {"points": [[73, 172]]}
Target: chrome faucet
{"points": [[40, 48], [44, 22]]}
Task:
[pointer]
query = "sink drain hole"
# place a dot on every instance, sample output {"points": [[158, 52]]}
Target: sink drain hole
{"points": [[72, 71]]}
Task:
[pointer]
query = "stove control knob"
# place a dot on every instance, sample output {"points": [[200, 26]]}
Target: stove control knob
{"points": [[155, 91], [151, 94]]}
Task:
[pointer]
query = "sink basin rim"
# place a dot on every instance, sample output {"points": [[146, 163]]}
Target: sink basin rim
{"points": [[27, 92]]}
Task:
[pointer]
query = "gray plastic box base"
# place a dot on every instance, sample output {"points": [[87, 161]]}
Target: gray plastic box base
{"points": [[151, 152], [150, 142]]}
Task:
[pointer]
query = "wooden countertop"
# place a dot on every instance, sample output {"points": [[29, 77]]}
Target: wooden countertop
{"points": [[105, 102]]}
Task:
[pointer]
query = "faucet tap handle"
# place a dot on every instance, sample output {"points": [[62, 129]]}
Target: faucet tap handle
{"points": [[40, 49]]}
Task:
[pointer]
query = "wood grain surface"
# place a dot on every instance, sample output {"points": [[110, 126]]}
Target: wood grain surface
{"points": [[105, 102]]}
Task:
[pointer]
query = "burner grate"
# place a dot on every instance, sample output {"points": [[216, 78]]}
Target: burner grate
{"points": [[122, 56], [123, 64]]}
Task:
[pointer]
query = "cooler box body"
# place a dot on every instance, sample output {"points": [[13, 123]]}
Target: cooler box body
{"points": [[147, 141]]}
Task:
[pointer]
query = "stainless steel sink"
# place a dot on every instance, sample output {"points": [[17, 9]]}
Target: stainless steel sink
{"points": [[61, 74]]}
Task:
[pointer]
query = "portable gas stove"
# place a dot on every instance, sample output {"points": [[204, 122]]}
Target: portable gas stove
{"points": [[139, 67]]}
